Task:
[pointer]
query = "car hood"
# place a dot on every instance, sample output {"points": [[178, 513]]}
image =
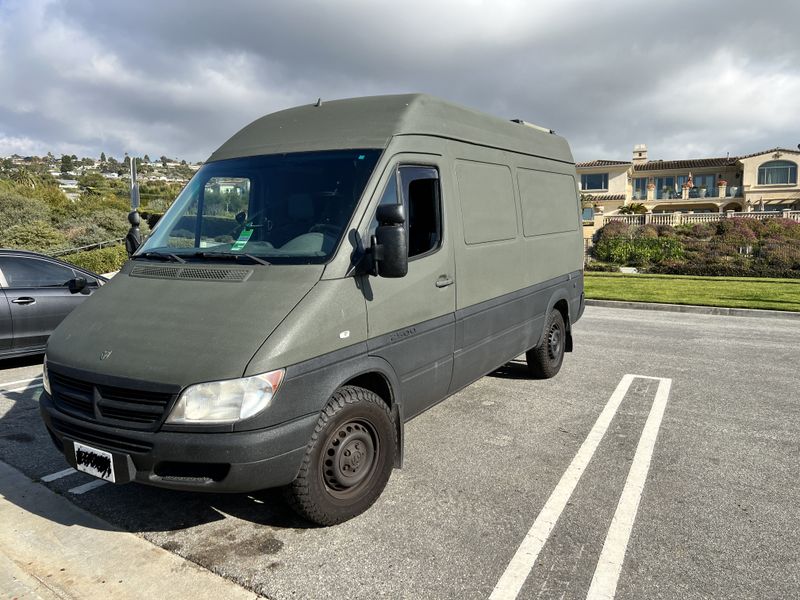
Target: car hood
{"points": [[179, 324]]}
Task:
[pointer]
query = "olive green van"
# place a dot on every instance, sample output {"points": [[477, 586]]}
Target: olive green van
{"points": [[331, 272]]}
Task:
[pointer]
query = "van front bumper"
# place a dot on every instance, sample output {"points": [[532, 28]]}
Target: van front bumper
{"points": [[213, 462]]}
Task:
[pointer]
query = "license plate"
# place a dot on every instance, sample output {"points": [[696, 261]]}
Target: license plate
{"points": [[98, 463]]}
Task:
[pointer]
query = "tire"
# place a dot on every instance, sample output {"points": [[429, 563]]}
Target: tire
{"points": [[348, 460], [545, 360]]}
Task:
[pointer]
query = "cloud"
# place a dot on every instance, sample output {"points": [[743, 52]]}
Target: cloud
{"points": [[179, 77]]}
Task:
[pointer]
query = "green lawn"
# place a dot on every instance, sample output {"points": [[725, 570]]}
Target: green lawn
{"points": [[730, 292]]}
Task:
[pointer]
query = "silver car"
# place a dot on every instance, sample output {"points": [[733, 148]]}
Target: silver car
{"points": [[36, 293]]}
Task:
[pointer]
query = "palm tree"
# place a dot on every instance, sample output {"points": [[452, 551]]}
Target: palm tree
{"points": [[24, 177], [634, 208]]}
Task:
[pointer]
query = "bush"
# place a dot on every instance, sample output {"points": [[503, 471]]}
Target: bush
{"points": [[638, 251], [39, 236], [614, 229], [102, 260], [16, 209], [600, 267]]}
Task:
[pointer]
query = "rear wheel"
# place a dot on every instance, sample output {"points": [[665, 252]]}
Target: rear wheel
{"points": [[545, 360], [348, 460]]}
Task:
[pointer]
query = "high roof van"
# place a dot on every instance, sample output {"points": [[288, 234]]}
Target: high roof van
{"points": [[332, 271]]}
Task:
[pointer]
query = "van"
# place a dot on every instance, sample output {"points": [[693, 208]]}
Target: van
{"points": [[332, 271]]}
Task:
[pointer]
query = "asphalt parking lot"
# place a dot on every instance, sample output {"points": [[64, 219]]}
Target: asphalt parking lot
{"points": [[680, 483]]}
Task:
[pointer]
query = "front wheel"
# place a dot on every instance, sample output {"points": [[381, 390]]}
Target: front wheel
{"points": [[348, 460], [545, 360]]}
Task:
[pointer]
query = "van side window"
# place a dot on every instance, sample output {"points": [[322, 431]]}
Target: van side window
{"points": [[420, 187], [421, 198]]}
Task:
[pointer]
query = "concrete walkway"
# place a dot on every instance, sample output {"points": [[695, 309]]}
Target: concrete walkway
{"points": [[49, 549]]}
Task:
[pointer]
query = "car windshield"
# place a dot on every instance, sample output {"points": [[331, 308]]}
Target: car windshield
{"points": [[280, 208]]}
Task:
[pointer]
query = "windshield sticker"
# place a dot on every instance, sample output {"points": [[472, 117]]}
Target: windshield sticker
{"points": [[243, 237]]}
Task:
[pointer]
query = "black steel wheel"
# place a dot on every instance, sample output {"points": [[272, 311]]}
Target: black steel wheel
{"points": [[348, 460], [545, 360]]}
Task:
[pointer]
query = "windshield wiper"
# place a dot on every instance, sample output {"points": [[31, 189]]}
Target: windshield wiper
{"points": [[232, 255], [160, 256]]}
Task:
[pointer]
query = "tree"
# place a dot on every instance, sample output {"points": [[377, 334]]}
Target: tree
{"points": [[24, 177], [634, 208], [164, 161], [102, 157], [146, 158], [66, 164]]}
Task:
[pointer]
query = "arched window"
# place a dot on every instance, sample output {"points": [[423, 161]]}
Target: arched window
{"points": [[777, 171]]}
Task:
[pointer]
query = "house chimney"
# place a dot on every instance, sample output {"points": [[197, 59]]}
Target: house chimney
{"points": [[639, 154]]}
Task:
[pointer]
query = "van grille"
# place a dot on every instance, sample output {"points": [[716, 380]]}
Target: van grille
{"points": [[194, 273], [103, 440], [138, 409]]}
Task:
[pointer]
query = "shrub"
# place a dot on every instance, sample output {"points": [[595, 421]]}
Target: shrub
{"points": [[16, 209], [646, 231], [600, 267], [101, 260], [638, 251], [613, 229], [39, 236], [666, 231]]}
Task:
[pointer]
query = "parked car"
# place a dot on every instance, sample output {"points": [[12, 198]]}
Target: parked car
{"points": [[331, 272], [36, 293]]}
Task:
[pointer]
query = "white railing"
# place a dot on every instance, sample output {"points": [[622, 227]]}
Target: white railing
{"points": [[677, 218]]}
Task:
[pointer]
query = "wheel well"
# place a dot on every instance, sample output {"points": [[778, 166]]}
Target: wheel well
{"points": [[562, 307], [374, 382], [377, 383]]}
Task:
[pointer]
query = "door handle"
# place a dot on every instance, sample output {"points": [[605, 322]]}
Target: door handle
{"points": [[444, 281], [25, 300]]}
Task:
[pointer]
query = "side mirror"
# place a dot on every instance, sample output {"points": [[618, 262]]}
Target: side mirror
{"points": [[390, 243], [77, 284]]}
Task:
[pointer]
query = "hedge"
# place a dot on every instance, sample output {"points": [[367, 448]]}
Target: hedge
{"points": [[101, 260]]}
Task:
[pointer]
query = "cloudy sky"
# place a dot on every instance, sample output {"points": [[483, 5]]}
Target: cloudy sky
{"points": [[177, 77]]}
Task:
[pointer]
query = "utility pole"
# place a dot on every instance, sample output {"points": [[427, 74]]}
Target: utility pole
{"points": [[134, 238]]}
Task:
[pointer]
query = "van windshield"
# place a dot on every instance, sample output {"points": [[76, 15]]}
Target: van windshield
{"points": [[281, 208]]}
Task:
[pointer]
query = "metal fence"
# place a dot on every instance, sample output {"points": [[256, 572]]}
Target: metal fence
{"points": [[89, 247]]}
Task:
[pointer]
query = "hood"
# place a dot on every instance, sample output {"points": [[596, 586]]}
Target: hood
{"points": [[179, 324]]}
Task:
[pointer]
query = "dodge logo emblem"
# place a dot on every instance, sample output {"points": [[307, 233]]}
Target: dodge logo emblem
{"points": [[105, 354]]}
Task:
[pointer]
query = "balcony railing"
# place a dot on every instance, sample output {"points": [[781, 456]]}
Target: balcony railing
{"points": [[677, 218]]}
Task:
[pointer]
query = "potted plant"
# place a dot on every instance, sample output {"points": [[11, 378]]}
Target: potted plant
{"points": [[701, 191], [721, 182]]}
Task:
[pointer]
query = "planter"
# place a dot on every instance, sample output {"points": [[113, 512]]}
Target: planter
{"points": [[701, 192], [733, 191]]}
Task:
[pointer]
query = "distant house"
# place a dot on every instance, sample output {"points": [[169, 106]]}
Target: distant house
{"points": [[762, 181]]}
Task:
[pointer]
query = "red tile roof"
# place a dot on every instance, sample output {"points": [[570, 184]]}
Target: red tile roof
{"points": [[770, 152], [690, 163], [603, 163], [606, 197]]}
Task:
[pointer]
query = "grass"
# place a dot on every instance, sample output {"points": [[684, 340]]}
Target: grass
{"points": [[729, 292]]}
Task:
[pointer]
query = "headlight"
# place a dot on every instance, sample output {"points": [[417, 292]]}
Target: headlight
{"points": [[226, 401], [45, 378]]}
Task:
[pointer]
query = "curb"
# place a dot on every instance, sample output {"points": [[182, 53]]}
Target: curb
{"points": [[698, 310], [53, 550]]}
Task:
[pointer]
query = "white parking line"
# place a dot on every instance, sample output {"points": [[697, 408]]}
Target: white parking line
{"points": [[81, 489], [5, 384], [58, 475], [21, 389], [609, 565], [524, 559]]}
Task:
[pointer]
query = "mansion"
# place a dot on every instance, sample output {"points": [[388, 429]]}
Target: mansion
{"points": [[764, 181]]}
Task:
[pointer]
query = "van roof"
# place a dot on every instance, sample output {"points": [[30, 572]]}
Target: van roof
{"points": [[371, 122]]}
